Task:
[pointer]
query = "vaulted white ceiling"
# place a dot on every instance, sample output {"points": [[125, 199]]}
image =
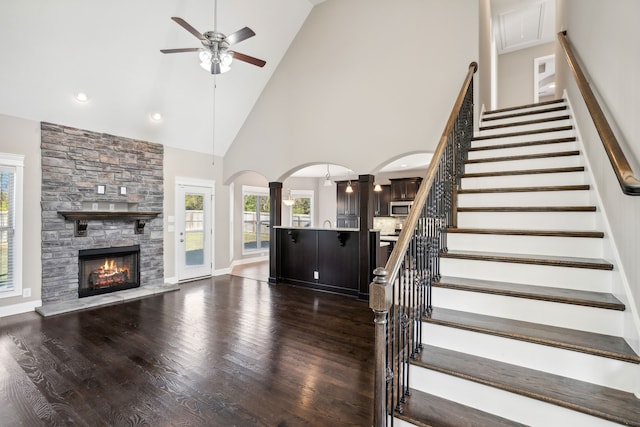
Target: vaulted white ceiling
{"points": [[111, 51]]}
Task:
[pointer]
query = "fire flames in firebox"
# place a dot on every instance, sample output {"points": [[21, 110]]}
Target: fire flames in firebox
{"points": [[109, 274]]}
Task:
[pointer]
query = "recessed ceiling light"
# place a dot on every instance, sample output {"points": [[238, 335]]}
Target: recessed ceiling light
{"points": [[81, 97], [156, 117]]}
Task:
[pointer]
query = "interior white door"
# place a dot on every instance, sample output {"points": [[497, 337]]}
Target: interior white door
{"points": [[194, 221]]}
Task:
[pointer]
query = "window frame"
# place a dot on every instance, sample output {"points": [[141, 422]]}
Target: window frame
{"points": [[15, 163]]}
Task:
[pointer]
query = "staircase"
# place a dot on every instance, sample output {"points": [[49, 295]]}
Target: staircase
{"points": [[525, 329]]}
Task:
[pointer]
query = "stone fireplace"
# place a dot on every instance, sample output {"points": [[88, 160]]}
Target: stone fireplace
{"points": [[105, 270], [99, 193]]}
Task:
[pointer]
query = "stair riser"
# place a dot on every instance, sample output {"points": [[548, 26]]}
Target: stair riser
{"points": [[512, 165], [540, 245], [523, 220], [580, 366], [524, 110], [601, 321], [519, 151], [542, 275], [569, 133], [502, 403], [531, 180], [538, 198], [532, 116], [524, 128]]}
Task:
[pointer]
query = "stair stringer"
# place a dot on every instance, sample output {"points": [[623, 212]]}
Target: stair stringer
{"points": [[620, 282]]}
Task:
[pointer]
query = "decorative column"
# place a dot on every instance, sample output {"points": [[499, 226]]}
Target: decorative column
{"points": [[275, 219], [365, 186]]}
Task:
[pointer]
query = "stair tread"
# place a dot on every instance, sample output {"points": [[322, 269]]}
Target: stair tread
{"points": [[524, 123], [599, 401], [579, 187], [524, 157], [607, 346], [525, 113], [424, 409], [521, 133], [524, 172], [522, 144], [549, 233], [543, 293], [527, 209], [522, 107], [558, 261]]}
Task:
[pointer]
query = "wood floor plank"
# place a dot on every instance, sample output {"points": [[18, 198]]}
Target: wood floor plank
{"points": [[607, 403], [223, 351]]}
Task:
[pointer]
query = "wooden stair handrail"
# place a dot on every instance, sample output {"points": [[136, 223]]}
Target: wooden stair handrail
{"points": [[628, 182]]}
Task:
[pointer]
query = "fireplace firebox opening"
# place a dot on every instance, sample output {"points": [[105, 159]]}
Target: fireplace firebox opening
{"points": [[106, 270]]}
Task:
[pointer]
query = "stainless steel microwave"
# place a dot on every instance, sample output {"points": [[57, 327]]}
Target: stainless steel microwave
{"points": [[400, 208]]}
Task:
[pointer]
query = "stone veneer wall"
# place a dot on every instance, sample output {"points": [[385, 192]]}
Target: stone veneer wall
{"points": [[74, 163]]}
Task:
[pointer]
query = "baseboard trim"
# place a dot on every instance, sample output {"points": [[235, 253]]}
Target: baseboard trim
{"points": [[23, 307], [171, 280], [248, 261], [222, 271]]}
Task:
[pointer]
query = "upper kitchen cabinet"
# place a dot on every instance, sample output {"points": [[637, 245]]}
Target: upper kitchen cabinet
{"points": [[347, 204], [381, 201], [404, 188]]}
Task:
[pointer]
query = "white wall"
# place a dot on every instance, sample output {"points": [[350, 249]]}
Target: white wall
{"points": [[21, 136], [484, 62], [364, 81], [189, 164], [605, 38], [516, 82]]}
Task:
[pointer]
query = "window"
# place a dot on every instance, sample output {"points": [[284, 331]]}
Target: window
{"points": [[11, 167], [255, 219], [302, 209]]}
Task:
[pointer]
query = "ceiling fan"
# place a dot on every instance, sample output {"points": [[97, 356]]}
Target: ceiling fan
{"points": [[215, 55]]}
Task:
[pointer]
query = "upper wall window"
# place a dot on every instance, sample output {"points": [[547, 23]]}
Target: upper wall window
{"points": [[255, 219], [11, 170], [302, 209]]}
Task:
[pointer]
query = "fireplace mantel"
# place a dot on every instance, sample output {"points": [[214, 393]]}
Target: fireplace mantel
{"points": [[82, 218]]}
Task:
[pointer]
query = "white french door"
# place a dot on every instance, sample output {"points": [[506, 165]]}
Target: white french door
{"points": [[194, 229]]}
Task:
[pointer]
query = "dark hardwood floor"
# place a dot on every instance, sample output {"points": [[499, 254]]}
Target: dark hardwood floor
{"points": [[227, 351]]}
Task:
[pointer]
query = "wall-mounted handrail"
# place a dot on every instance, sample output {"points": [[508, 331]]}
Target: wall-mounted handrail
{"points": [[400, 294], [628, 182]]}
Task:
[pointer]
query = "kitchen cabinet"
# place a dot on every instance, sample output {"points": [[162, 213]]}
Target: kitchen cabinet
{"points": [[347, 205], [381, 201], [404, 188]]}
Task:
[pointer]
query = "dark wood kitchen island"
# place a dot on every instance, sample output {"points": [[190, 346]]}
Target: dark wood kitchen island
{"points": [[321, 258]]}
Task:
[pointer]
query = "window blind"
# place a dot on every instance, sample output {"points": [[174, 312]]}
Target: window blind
{"points": [[7, 228]]}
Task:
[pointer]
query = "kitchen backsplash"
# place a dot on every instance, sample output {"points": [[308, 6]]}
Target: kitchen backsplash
{"points": [[387, 224]]}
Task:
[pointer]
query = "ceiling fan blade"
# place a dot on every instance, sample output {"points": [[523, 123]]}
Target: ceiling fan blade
{"points": [[185, 49], [239, 35], [184, 24], [246, 58]]}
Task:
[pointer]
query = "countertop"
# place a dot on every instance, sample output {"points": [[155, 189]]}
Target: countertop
{"points": [[316, 228]]}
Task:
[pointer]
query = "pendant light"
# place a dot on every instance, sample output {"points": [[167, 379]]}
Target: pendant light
{"points": [[377, 188], [290, 201], [349, 187], [327, 178]]}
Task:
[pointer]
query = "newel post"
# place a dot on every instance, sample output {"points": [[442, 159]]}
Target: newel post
{"points": [[380, 299]]}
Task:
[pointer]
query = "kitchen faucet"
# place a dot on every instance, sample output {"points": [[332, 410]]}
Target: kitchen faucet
{"points": [[325, 223]]}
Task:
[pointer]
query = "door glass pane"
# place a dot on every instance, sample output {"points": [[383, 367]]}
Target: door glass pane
{"points": [[194, 229]]}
